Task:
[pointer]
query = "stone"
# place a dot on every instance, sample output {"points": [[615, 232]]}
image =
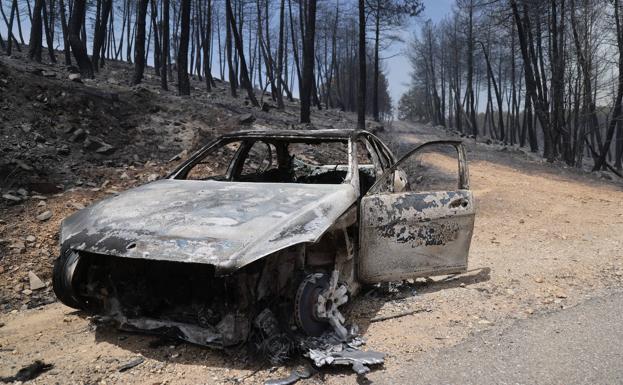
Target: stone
{"points": [[75, 78], [39, 138], [44, 216], [27, 292], [31, 239], [152, 177], [106, 149], [35, 282], [22, 192], [77, 206], [23, 165], [42, 204], [19, 246], [92, 144], [246, 118], [78, 136], [11, 197], [63, 150], [48, 74]]}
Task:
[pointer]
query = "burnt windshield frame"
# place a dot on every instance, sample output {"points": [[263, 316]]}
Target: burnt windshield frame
{"points": [[181, 172]]}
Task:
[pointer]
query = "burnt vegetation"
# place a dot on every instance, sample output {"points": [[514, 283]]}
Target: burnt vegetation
{"points": [[315, 50], [546, 75]]}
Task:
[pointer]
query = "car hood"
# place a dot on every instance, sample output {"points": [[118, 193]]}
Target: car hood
{"points": [[225, 224]]}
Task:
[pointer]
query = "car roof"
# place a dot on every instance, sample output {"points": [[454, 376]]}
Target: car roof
{"points": [[342, 134]]}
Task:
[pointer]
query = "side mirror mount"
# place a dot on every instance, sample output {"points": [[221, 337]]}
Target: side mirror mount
{"points": [[400, 181]]}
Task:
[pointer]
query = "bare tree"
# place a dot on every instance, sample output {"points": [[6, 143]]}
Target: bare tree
{"points": [[183, 83], [78, 46], [307, 79], [361, 86]]}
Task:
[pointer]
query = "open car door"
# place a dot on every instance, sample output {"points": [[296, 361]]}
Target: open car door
{"points": [[417, 220]]}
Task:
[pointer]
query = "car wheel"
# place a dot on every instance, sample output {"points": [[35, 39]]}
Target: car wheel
{"points": [[305, 302], [62, 279]]}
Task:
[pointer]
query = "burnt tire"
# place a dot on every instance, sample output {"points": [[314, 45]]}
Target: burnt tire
{"points": [[305, 301], [62, 279]]}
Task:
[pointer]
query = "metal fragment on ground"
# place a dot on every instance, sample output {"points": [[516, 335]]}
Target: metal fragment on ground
{"points": [[132, 363], [301, 372], [330, 349]]}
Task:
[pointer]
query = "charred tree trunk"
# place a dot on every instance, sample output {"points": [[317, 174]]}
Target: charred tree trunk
{"points": [[498, 95], [361, 86], [139, 42], [36, 31], [244, 74], [471, 103], [280, 55], [375, 87], [77, 44], [207, 47], [157, 37], [233, 79], [165, 45], [308, 61], [49, 33], [65, 29], [10, 27], [532, 88], [616, 113], [100, 34], [183, 86]]}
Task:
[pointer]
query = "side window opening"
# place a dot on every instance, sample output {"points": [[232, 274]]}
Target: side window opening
{"points": [[435, 166], [261, 160], [319, 163], [214, 165]]}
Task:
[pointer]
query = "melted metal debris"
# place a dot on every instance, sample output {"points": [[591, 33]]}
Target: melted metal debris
{"points": [[330, 349], [301, 372], [132, 363]]}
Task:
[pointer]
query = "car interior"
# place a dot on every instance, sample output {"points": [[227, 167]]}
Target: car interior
{"points": [[274, 160]]}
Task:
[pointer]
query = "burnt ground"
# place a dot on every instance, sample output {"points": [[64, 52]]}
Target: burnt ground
{"points": [[546, 237]]}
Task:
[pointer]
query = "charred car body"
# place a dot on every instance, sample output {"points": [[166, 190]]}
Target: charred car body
{"points": [[261, 234]]}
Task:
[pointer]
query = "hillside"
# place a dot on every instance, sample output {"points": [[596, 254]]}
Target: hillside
{"points": [[68, 143]]}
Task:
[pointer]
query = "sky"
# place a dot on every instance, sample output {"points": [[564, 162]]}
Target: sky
{"points": [[398, 67]]}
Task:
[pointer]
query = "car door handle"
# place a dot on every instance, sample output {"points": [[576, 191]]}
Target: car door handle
{"points": [[461, 202]]}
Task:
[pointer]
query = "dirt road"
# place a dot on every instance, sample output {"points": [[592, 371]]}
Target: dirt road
{"points": [[546, 238]]}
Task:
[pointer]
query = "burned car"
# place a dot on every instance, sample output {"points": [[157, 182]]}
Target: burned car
{"points": [[267, 233]]}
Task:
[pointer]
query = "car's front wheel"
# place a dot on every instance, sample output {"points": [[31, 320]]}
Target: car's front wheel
{"points": [[63, 279]]}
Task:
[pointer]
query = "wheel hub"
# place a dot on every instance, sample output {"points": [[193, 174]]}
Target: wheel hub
{"points": [[317, 304]]}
